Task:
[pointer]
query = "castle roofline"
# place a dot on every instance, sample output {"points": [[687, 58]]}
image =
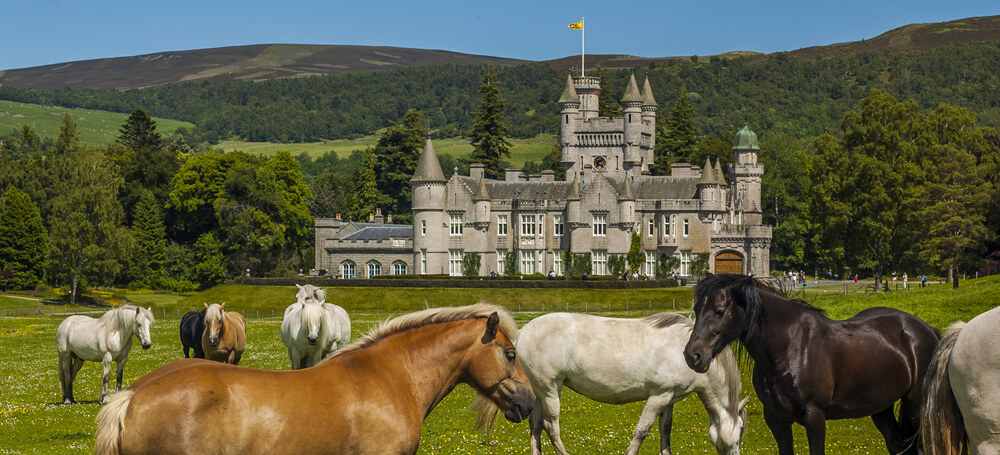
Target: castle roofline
{"points": [[428, 168]]}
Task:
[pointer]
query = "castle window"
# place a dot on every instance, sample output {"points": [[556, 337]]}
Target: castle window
{"points": [[527, 262], [666, 225], [600, 225], [599, 262], [423, 227], [685, 262], [456, 225], [651, 264], [650, 224], [501, 260], [374, 269], [557, 225], [347, 270], [527, 225], [455, 262], [557, 262], [502, 225], [423, 262], [687, 227], [399, 268]]}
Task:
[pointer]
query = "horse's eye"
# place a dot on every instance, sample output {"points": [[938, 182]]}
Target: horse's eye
{"points": [[719, 313], [510, 354]]}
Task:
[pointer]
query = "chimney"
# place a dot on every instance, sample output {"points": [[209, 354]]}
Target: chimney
{"points": [[379, 219], [337, 217], [477, 170], [371, 217], [512, 174], [388, 219], [548, 175]]}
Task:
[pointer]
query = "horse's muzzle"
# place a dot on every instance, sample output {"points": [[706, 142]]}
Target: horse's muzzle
{"points": [[146, 345], [520, 405], [313, 341], [696, 360]]}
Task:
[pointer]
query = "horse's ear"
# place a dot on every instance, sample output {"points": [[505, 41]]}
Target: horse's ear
{"points": [[222, 305], [137, 309], [150, 309], [743, 402], [298, 286], [492, 322], [206, 305]]}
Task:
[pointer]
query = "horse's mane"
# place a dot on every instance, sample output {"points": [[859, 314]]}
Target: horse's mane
{"points": [[214, 311], [661, 320], [431, 316], [123, 316], [314, 293]]}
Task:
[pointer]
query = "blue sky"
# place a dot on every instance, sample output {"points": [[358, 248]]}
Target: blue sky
{"points": [[40, 32]]}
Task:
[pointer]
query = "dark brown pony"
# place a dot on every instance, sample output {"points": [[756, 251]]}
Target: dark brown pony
{"points": [[368, 398], [809, 368]]}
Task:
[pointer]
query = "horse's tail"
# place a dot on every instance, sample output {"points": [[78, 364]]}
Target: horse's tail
{"points": [[110, 423], [941, 426]]}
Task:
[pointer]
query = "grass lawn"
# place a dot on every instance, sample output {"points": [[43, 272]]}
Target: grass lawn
{"points": [[96, 127], [32, 422]]}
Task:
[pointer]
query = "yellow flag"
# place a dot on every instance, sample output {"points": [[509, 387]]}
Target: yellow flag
{"points": [[577, 26]]}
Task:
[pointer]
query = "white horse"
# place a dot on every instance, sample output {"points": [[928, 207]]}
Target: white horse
{"points": [[962, 390], [620, 361], [102, 340], [312, 329]]}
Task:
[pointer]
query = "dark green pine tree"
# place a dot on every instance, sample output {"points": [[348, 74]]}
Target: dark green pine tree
{"points": [[488, 130], [23, 241], [366, 195], [69, 136], [139, 132], [676, 139], [607, 105], [150, 241], [396, 156]]}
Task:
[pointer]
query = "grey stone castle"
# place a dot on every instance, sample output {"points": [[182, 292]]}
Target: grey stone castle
{"points": [[608, 195]]}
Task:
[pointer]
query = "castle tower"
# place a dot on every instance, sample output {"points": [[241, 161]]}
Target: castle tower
{"points": [[569, 111], [483, 204], [747, 173], [709, 188], [430, 243], [633, 129], [574, 215], [588, 89], [626, 204], [648, 125]]}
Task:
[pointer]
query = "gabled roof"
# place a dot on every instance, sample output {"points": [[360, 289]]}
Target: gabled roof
{"points": [[659, 187], [428, 168], [382, 232], [632, 91], [647, 94]]}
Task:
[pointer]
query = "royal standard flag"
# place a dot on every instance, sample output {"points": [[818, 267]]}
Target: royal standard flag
{"points": [[577, 26]]}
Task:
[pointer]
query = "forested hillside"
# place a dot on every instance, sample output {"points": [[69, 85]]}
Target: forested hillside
{"points": [[774, 94]]}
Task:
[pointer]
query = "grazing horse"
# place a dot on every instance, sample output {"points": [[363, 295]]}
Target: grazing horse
{"points": [[809, 368], [312, 330], [622, 361], [962, 390], [310, 293], [224, 337], [192, 326], [107, 339], [368, 398]]}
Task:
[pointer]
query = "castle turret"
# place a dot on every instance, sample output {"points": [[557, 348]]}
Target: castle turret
{"points": [[588, 89], [626, 204], [747, 173], [429, 203], [483, 204], [574, 215], [632, 126], [649, 108], [709, 189], [569, 110]]}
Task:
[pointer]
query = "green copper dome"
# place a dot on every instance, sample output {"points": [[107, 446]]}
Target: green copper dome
{"points": [[745, 140]]}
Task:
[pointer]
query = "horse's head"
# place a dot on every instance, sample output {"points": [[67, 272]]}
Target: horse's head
{"points": [[214, 314], [726, 433], [312, 321], [724, 306], [495, 372], [143, 320]]}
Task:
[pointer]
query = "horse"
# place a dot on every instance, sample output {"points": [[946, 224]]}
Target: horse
{"points": [[809, 368], [310, 293], [622, 361], [960, 413], [192, 326], [224, 337], [107, 339], [370, 397], [312, 330]]}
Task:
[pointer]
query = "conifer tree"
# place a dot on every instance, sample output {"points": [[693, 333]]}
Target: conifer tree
{"points": [[139, 132], [488, 130], [150, 241], [366, 196], [69, 136], [23, 241], [607, 105], [676, 139]]}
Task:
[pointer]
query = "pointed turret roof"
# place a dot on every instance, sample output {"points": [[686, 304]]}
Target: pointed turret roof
{"points": [[428, 168], [626, 194], [574, 190], [481, 193], [569, 93], [632, 91], [708, 173], [647, 94], [719, 175]]}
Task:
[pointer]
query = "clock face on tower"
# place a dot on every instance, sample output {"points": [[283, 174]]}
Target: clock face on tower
{"points": [[600, 163]]}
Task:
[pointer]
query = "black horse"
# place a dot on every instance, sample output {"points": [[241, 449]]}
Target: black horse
{"points": [[192, 326], [808, 368]]}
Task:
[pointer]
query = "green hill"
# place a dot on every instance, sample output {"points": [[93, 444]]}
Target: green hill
{"points": [[96, 127]]}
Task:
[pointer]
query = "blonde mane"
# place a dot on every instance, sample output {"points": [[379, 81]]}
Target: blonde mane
{"points": [[431, 316]]}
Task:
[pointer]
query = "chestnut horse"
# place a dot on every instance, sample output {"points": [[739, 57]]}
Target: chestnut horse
{"points": [[225, 336], [367, 398], [809, 368]]}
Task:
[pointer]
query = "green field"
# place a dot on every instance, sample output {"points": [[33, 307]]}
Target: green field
{"points": [[522, 150], [96, 127], [32, 422]]}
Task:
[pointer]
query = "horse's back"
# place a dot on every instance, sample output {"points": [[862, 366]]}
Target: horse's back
{"points": [[81, 335], [974, 372]]}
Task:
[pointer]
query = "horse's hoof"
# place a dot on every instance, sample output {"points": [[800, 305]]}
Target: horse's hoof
{"points": [[68, 401]]}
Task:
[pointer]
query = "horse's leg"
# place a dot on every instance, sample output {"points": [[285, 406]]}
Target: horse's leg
{"points": [[909, 425], [782, 432], [66, 377], [815, 422], [121, 371], [550, 416], [666, 426], [236, 356], [106, 364], [649, 413], [74, 368], [535, 425]]}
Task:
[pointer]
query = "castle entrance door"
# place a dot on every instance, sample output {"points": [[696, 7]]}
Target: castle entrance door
{"points": [[729, 262]]}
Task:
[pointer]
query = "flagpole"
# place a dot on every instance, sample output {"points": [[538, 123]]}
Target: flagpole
{"points": [[583, 34]]}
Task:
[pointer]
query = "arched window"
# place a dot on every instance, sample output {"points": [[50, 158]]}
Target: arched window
{"points": [[399, 268], [347, 270], [374, 269]]}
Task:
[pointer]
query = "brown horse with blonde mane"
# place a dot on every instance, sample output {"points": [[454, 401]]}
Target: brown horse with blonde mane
{"points": [[225, 335], [370, 397]]}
